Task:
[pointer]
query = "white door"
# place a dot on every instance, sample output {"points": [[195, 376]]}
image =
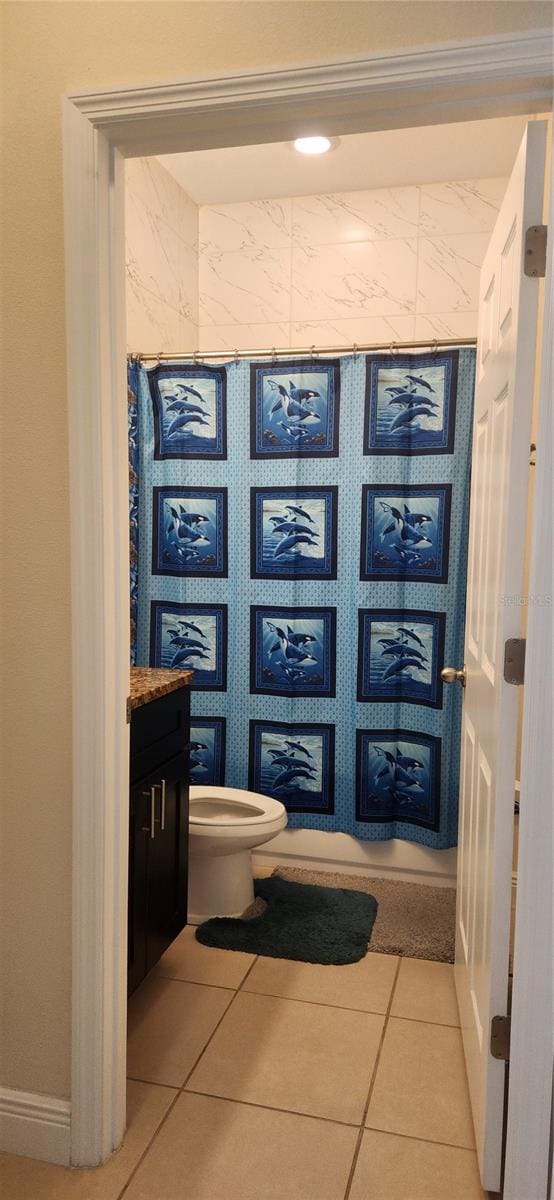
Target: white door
{"points": [[508, 308]]}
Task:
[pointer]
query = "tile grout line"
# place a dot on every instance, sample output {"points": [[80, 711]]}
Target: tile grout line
{"points": [[291, 1112], [179, 1091], [294, 999], [370, 1012], [216, 1027], [410, 1137], [422, 1021], [219, 987], [361, 1131], [295, 1112], [152, 1139]]}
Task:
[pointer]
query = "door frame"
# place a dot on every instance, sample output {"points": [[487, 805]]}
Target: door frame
{"points": [[455, 81]]}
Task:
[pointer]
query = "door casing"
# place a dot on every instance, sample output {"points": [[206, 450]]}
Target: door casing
{"points": [[465, 80]]}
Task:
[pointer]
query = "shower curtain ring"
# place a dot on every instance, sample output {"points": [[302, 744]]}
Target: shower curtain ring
{"points": [[392, 348], [159, 357], [434, 346], [194, 357], [273, 354], [355, 349], [313, 355], [236, 355]]}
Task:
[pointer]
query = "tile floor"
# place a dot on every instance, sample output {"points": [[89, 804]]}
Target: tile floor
{"points": [[258, 1079]]}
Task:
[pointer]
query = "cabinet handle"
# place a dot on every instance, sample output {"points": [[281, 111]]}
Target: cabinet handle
{"points": [[162, 805], [151, 828]]}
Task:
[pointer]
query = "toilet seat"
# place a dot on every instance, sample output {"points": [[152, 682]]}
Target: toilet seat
{"points": [[231, 807]]}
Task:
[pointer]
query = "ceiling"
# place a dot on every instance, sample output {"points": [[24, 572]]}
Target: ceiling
{"points": [[390, 158]]}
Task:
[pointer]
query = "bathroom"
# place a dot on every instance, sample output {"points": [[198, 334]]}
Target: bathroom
{"points": [[264, 257], [141, 1059]]}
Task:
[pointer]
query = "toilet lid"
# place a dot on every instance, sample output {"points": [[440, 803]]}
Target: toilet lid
{"points": [[231, 806]]}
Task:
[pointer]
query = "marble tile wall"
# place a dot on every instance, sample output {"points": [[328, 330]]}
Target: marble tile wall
{"points": [[161, 260], [350, 267]]}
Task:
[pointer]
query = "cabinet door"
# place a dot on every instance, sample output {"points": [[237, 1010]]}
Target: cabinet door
{"points": [[168, 859], [137, 919]]}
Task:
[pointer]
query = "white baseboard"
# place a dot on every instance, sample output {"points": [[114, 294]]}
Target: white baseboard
{"points": [[34, 1125], [394, 859]]}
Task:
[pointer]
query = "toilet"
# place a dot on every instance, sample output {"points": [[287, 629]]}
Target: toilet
{"points": [[224, 826]]}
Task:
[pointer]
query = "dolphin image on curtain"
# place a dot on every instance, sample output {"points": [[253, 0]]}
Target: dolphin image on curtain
{"points": [[302, 535]]}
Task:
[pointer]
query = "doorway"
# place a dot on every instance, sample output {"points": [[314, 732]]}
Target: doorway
{"points": [[372, 223], [106, 723], [282, 239]]}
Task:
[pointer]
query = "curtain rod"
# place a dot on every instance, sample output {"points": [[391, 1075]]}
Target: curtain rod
{"points": [[198, 356]]}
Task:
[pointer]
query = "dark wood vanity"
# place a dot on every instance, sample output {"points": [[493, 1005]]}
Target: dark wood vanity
{"points": [[159, 708]]}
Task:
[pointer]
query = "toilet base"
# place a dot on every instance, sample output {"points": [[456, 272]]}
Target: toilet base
{"points": [[219, 886]]}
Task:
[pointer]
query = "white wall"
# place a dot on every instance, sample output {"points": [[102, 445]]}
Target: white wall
{"points": [[161, 235], [389, 264]]}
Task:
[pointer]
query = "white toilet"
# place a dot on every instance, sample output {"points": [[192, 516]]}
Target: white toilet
{"points": [[224, 826]]}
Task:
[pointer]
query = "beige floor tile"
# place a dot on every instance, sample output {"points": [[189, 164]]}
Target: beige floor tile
{"points": [[425, 992], [190, 960], [364, 985], [27, 1179], [398, 1168], [213, 1149], [169, 1022], [420, 1089], [302, 1057]]}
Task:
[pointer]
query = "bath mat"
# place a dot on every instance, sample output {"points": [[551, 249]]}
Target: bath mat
{"points": [[414, 919], [300, 921]]}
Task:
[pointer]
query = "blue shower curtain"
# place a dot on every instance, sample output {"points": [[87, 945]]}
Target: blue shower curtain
{"points": [[302, 533]]}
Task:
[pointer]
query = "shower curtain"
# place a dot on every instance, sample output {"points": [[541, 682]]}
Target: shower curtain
{"points": [[302, 534]]}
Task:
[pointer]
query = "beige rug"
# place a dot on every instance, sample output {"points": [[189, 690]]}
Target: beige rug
{"points": [[413, 919]]}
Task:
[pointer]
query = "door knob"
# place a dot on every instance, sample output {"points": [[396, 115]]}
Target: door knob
{"points": [[451, 675]]}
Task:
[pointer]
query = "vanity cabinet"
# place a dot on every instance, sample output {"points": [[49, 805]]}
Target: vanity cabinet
{"points": [[158, 830]]}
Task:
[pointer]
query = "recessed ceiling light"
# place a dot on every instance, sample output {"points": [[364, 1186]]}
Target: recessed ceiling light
{"points": [[313, 145]]}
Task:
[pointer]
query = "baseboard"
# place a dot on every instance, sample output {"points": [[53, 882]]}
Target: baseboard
{"points": [[432, 868], [34, 1125]]}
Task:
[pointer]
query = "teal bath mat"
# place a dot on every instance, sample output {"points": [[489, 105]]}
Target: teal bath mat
{"points": [[302, 921]]}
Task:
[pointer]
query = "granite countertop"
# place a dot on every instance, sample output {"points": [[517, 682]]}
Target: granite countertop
{"points": [[149, 683]]}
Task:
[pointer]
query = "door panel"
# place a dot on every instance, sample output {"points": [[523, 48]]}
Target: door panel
{"points": [[158, 865], [508, 308], [167, 860]]}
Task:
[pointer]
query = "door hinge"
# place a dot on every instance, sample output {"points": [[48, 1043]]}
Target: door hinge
{"points": [[534, 263], [514, 660], [500, 1037]]}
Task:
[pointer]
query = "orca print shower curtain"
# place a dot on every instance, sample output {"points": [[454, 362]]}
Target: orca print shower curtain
{"points": [[302, 535]]}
